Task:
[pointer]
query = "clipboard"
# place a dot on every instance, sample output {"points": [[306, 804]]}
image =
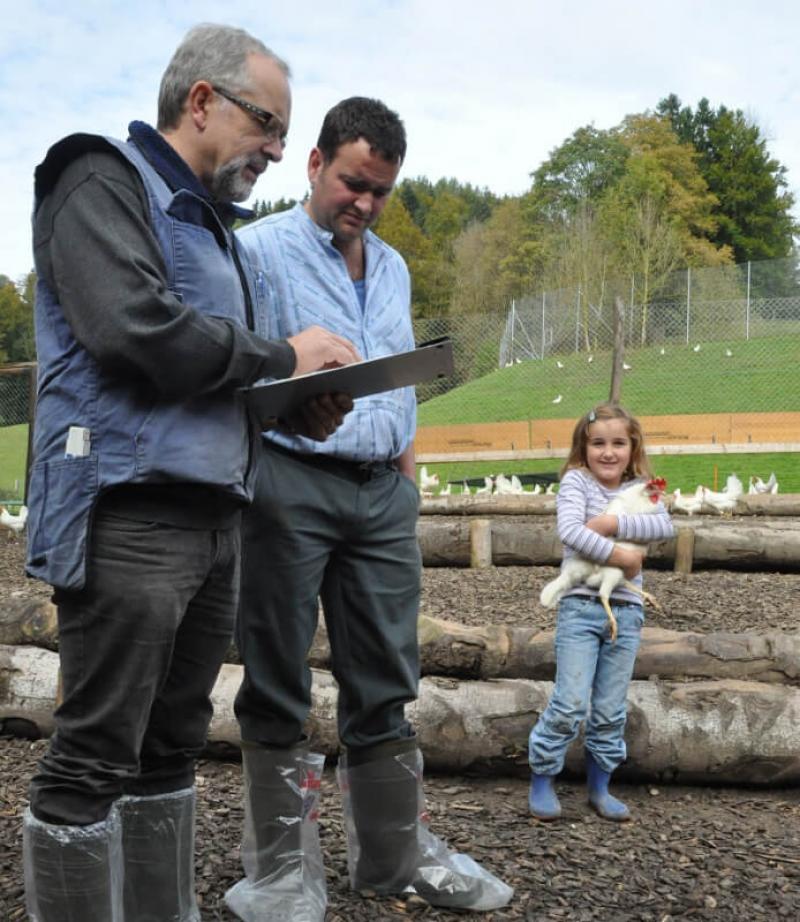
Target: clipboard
{"points": [[279, 399]]}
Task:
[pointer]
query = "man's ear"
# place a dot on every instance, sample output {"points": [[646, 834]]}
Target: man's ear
{"points": [[198, 102], [315, 164]]}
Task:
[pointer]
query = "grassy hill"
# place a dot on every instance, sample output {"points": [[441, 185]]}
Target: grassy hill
{"points": [[761, 375]]}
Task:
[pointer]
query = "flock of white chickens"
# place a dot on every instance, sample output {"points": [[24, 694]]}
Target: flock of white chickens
{"points": [[702, 500], [724, 501], [429, 485]]}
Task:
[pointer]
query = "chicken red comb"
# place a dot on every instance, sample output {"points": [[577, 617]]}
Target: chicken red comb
{"points": [[657, 483]]}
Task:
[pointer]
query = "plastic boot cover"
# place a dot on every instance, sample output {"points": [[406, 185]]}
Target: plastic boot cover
{"points": [[73, 873], [158, 857], [386, 827], [284, 875]]}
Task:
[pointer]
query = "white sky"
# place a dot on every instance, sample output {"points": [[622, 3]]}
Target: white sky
{"points": [[486, 90]]}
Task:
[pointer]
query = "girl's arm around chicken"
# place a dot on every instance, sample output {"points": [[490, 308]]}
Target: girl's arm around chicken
{"points": [[580, 498]]}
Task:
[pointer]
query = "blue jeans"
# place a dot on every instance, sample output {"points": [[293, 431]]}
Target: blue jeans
{"points": [[590, 671]]}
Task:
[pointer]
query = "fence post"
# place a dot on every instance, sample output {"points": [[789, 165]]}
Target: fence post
{"points": [[543, 305], [578, 321], [619, 351], [688, 301], [747, 307], [31, 418]]}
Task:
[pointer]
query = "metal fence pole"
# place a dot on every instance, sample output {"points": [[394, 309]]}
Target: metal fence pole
{"points": [[688, 301], [543, 302], [747, 308], [578, 321]]}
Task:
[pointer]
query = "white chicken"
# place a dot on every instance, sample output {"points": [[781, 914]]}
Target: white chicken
{"points": [[725, 501], [516, 484], [502, 484], [757, 485], [636, 500], [15, 523], [445, 491], [427, 481], [687, 504], [488, 486]]}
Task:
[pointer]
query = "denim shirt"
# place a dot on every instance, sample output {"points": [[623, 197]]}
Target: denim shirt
{"points": [[301, 279]]}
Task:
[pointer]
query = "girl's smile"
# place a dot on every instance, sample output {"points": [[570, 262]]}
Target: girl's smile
{"points": [[608, 451]]}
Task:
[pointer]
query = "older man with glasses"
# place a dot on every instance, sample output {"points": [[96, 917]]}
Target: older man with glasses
{"points": [[142, 463]]}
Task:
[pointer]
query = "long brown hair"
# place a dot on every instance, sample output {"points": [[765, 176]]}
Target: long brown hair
{"points": [[639, 464]]}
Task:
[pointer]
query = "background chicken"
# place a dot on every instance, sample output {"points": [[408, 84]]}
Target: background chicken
{"points": [[725, 501], [15, 523], [635, 500]]}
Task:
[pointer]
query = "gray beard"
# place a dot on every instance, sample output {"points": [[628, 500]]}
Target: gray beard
{"points": [[228, 183]]}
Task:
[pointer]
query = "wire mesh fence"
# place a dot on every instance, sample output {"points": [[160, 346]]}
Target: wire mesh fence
{"points": [[15, 414], [722, 342]]}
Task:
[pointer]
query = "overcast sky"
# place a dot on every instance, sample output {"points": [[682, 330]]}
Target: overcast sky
{"points": [[486, 90]]}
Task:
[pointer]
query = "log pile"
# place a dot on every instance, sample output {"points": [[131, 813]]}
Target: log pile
{"points": [[702, 708]]}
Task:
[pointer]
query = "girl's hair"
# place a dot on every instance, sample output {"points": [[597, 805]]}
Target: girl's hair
{"points": [[638, 466]]}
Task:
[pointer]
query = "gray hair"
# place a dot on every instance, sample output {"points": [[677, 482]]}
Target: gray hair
{"points": [[209, 52]]}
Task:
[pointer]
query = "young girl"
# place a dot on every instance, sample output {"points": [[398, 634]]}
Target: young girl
{"points": [[607, 454]]}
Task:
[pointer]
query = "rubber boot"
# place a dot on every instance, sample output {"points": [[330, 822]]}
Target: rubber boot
{"points": [[284, 875], [73, 873], [542, 799], [158, 856], [389, 847], [604, 803]]}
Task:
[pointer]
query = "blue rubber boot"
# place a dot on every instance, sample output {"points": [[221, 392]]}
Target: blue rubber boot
{"points": [[607, 806], [542, 800]]}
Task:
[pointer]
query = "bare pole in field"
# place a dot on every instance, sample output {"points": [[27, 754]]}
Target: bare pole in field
{"points": [[619, 350]]}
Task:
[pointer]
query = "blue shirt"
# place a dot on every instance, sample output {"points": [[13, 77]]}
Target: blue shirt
{"points": [[301, 279]]}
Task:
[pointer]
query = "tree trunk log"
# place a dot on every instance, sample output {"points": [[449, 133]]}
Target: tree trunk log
{"points": [[516, 652], [448, 648], [781, 504], [29, 621], [720, 544], [716, 731]]}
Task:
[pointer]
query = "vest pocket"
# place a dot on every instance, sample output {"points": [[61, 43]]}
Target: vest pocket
{"points": [[64, 493]]}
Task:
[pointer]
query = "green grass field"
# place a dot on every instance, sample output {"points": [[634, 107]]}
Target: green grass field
{"points": [[761, 375], [13, 451], [682, 471]]}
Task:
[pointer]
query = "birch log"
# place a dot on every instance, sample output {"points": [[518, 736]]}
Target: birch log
{"points": [[504, 651], [733, 544], [783, 504], [29, 621], [448, 648], [716, 731]]}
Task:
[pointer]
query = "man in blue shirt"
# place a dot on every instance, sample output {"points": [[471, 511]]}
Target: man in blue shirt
{"points": [[336, 522]]}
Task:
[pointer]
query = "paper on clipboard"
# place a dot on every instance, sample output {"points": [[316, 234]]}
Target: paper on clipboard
{"points": [[278, 399]]}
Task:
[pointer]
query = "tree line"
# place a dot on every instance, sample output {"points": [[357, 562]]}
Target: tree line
{"points": [[668, 188]]}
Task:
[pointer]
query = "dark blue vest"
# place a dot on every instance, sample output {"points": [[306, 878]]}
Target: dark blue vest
{"points": [[136, 436]]}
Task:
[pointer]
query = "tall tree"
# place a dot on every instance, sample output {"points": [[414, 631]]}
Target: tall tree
{"points": [[754, 205], [583, 168]]}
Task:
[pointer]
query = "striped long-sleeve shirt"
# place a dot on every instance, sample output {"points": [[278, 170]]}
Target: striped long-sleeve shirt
{"points": [[580, 498]]}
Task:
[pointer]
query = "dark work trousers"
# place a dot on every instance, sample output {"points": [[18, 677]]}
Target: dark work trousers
{"points": [[330, 530], [140, 646]]}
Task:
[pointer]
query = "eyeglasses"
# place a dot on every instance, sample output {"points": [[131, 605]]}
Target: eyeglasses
{"points": [[271, 125]]}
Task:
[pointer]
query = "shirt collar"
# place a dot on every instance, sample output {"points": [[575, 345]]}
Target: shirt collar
{"points": [[176, 172]]}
